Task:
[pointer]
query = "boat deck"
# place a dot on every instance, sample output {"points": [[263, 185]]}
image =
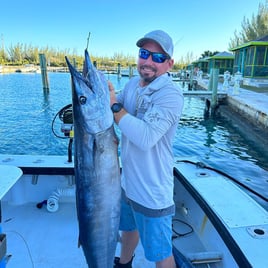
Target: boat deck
{"points": [[41, 237], [38, 238]]}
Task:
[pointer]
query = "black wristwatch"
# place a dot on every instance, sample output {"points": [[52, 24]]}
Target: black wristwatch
{"points": [[116, 107]]}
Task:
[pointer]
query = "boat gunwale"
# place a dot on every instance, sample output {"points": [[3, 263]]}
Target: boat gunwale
{"points": [[47, 170], [229, 241]]}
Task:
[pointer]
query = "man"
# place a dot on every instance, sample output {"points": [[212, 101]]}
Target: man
{"points": [[147, 112]]}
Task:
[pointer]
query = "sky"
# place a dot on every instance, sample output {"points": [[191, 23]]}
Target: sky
{"points": [[115, 25]]}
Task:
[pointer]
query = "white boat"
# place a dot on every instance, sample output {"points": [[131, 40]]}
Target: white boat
{"points": [[228, 228], [216, 223]]}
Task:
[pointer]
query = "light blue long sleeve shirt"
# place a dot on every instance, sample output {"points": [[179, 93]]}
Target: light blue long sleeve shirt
{"points": [[148, 131]]}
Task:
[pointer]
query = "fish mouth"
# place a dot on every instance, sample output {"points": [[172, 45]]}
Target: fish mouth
{"points": [[91, 97]]}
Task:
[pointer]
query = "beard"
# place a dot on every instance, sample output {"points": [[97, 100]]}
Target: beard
{"points": [[147, 73]]}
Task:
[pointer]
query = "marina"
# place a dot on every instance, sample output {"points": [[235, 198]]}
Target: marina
{"points": [[62, 153]]}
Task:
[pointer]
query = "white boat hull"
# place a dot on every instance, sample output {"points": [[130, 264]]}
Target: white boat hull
{"points": [[216, 223], [227, 221]]}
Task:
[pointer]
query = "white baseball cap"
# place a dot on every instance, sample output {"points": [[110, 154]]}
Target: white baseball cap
{"points": [[160, 37]]}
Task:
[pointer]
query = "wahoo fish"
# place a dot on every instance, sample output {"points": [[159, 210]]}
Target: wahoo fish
{"points": [[96, 165]]}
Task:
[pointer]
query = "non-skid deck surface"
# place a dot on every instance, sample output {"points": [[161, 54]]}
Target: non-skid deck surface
{"points": [[37, 238]]}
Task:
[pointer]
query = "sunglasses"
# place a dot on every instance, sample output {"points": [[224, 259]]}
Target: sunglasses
{"points": [[156, 56]]}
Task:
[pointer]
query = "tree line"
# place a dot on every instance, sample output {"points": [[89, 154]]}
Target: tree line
{"points": [[21, 54], [253, 28]]}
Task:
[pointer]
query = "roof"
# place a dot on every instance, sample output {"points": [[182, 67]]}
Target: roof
{"points": [[202, 60], [223, 55], [263, 38], [260, 41]]}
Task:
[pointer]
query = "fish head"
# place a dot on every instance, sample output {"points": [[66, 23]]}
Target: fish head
{"points": [[90, 98]]}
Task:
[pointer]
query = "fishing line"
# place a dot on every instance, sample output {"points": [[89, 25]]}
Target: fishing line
{"points": [[88, 39], [178, 41], [202, 165], [26, 245]]}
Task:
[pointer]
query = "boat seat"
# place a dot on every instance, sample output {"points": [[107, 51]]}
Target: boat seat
{"points": [[204, 257]]}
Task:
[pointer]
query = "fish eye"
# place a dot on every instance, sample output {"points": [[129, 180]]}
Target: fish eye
{"points": [[83, 100]]}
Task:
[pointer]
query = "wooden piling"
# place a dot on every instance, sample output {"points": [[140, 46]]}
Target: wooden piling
{"points": [[119, 70], [43, 67], [210, 81], [214, 99], [74, 63], [130, 69], [190, 85]]}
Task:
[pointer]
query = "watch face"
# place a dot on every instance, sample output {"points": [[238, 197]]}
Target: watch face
{"points": [[116, 107]]}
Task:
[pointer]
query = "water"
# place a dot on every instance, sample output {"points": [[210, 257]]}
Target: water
{"points": [[26, 128]]}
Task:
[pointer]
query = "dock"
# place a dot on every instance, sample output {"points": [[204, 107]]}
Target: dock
{"points": [[253, 106], [204, 94]]}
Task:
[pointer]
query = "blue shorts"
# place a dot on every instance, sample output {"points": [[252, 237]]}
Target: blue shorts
{"points": [[155, 232]]}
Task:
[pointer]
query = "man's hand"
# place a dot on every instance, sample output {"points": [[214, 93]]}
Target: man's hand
{"points": [[112, 93], [119, 115]]}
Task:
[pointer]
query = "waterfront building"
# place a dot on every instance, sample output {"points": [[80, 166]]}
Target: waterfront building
{"points": [[202, 64], [251, 59], [223, 61]]}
